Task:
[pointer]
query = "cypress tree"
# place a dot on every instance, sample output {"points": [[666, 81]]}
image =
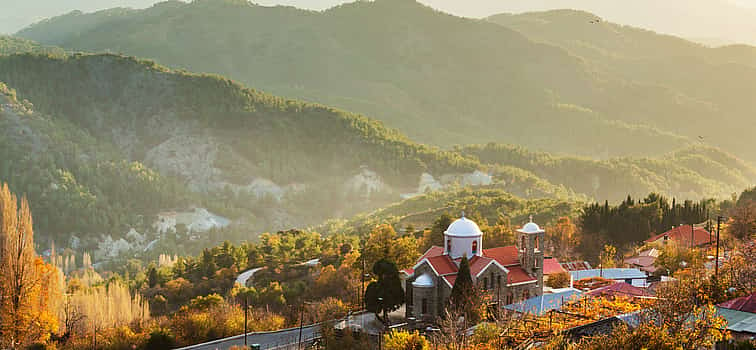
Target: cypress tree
{"points": [[464, 296]]}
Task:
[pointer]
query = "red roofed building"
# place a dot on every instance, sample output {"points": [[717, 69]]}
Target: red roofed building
{"points": [[745, 304], [682, 235], [504, 274], [620, 289]]}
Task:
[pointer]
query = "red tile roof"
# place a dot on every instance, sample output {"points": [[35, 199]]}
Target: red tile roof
{"points": [[576, 265], [745, 304], [450, 279], [551, 266], [518, 275], [642, 261], [478, 263], [443, 264], [620, 289], [681, 235], [506, 256]]}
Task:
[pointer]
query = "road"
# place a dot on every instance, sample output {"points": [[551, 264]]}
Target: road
{"points": [[244, 276], [277, 340]]}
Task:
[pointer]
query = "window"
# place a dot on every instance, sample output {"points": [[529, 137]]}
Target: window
{"points": [[525, 294], [498, 281], [485, 282], [424, 308], [448, 245], [475, 247], [536, 244], [509, 298], [522, 246]]}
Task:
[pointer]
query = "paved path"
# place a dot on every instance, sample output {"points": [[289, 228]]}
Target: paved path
{"points": [[277, 340], [246, 275]]}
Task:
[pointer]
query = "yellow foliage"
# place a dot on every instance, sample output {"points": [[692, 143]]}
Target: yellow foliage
{"points": [[403, 340]]}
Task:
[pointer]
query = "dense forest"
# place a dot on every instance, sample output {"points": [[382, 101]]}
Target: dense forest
{"points": [[408, 67], [105, 125], [487, 205], [77, 184], [693, 172]]}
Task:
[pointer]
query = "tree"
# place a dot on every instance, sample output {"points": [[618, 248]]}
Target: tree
{"points": [[384, 243], [608, 257], [465, 296], [743, 224], [562, 236], [152, 277], [501, 234], [28, 286], [404, 340], [385, 294], [559, 280], [437, 229]]}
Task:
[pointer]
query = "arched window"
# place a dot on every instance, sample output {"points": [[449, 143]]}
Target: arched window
{"points": [[536, 243], [475, 247], [448, 245], [523, 245], [485, 282]]}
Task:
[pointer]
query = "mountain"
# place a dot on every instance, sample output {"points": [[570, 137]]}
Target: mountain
{"points": [[120, 140], [247, 155], [488, 203], [10, 45], [75, 183], [695, 172], [406, 65], [718, 20], [18, 14]]}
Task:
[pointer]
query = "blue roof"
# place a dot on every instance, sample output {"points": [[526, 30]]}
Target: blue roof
{"points": [[738, 321], [611, 274], [544, 303]]}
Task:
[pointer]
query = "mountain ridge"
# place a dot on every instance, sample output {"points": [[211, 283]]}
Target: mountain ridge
{"points": [[403, 69]]}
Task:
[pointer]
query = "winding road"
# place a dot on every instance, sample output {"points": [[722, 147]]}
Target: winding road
{"points": [[246, 275]]}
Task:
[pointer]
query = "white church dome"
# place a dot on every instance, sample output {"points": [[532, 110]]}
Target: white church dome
{"points": [[530, 227], [464, 227], [425, 280]]}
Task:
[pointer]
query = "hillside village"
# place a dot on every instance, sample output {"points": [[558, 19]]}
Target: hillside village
{"points": [[219, 174]]}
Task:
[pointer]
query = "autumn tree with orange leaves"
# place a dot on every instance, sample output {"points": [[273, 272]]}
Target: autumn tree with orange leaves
{"points": [[28, 286]]}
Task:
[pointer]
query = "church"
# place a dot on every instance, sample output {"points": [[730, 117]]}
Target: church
{"points": [[504, 274]]}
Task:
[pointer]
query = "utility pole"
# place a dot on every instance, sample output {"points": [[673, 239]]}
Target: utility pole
{"points": [[246, 307], [716, 261], [301, 324], [691, 236]]}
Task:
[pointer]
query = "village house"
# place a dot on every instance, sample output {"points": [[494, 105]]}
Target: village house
{"points": [[683, 235], [504, 274]]}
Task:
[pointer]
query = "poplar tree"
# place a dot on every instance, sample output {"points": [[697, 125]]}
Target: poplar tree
{"points": [[28, 286]]}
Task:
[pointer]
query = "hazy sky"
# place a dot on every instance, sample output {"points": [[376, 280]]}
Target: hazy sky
{"points": [[707, 20]]}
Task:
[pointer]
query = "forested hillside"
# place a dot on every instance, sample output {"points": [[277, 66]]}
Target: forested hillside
{"points": [[75, 182], [407, 65], [485, 205], [121, 139], [694, 172], [269, 162], [11, 45], [719, 80]]}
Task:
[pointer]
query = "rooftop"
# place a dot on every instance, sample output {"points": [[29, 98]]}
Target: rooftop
{"points": [[681, 235], [745, 304], [544, 303]]}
